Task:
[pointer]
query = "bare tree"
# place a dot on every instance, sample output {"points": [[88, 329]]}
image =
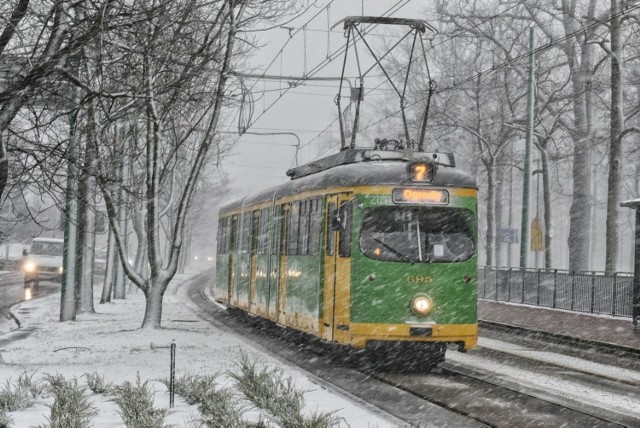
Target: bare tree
{"points": [[173, 70], [37, 40]]}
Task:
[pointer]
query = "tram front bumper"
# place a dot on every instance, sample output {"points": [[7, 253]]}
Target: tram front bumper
{"points": [[465, 335]]}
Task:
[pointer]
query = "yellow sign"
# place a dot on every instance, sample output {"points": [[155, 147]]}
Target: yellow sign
{"points": [[537, 235], [421, 172]]}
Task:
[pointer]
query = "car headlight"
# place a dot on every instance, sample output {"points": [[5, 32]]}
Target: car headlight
{"points": [[60, 270], [29, 267], [421, 305]]}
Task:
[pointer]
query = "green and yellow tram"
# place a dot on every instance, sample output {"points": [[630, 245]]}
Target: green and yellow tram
{"points": [[373, 249]]}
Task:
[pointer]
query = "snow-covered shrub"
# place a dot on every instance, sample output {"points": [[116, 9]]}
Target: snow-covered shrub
{"points": [[191, 387], [135, 402], [271, 390], [5, 420], [13, 399], [71, 404], [96, 383], [27, 382], [219, 408]]}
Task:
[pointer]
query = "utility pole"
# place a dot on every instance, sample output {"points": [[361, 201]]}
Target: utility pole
{"points": [[524, 227]]}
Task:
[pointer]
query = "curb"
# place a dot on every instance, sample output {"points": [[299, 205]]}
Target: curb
{"points": [[561, 339]]}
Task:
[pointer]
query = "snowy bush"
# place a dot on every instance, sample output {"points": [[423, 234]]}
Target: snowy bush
{"points": [[192, 388], [13, 399], [271, 390], [96, 383], [218, 407], [5, 420], [26, 382], [71, 404], [135, 402]]}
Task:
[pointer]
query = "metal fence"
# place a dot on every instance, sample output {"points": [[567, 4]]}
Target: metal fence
{"points": [[591, 292]]}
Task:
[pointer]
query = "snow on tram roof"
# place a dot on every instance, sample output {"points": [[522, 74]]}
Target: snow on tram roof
{"points": [[390, 171]]}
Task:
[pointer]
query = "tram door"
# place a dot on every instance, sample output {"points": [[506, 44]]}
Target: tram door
{"points": [[337, 267]]}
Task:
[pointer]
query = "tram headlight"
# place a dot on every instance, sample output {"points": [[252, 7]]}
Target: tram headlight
{"points": [[421, 305], [29, 267]]}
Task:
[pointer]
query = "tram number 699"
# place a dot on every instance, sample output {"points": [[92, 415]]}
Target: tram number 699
{"points": [[420, 279]]}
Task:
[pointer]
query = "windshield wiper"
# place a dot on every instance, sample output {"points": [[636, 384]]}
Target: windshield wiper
{"points": [[393, 250]]}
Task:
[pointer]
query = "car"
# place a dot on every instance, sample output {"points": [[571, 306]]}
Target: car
{"points": [[43, 261]]}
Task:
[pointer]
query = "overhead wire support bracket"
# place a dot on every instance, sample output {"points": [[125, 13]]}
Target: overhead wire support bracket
{"points": [[417, 28], [420, 24]]}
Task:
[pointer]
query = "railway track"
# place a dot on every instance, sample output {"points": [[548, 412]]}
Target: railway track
{"points": [[466, 390]]}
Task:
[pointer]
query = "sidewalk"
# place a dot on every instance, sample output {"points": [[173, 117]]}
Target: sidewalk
{"points": [[587, 327]]}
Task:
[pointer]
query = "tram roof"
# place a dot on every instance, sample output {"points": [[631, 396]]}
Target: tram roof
{"points": [[372, 170]]}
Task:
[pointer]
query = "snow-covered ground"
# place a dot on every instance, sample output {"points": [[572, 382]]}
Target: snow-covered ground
{"points": [[110, 343]]}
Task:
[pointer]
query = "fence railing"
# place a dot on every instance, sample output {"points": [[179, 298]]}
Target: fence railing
{"points": [[591, 292]]}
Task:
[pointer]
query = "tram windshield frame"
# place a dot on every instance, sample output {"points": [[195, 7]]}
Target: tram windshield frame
{"points": [[413, 234]]}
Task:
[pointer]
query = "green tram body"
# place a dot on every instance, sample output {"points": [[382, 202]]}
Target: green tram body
{"points": [[295, 254]]}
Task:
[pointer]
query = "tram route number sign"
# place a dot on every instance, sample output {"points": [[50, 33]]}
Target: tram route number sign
{"points": [[507, 235]]}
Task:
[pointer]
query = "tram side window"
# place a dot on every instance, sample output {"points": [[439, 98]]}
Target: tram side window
{"points": [[222, 236], [344, 242], [331, 234], [294, 228], [303, 233], [245, 238], [233, 234], [263, 231], [315, 227], [225, 235], [255, 223], [274, 227]]}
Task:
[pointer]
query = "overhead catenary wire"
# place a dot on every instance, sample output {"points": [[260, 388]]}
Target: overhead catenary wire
{"points": [[513, 60], [433, 45], [397, 6], [494, 68], [333, 56]]}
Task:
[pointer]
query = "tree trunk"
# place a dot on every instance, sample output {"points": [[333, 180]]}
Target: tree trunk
{"points": [[153, 306], [546, 196], [615, 143], [4, 166], [107, 285], [500, 197], [85, 297], [83, 227], [580, 211], [88, 201], [490, 235]]}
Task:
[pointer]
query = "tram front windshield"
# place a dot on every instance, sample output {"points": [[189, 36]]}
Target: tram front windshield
{"points": [[417, 234]]}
